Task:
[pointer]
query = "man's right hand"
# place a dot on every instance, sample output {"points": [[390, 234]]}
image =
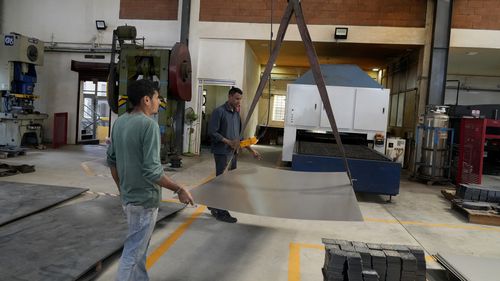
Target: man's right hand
{"points": [[185, 196], [234, 144]]}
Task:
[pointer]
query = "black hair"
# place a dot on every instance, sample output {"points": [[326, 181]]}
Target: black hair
{"points": [[235, 90], [138, 89]]}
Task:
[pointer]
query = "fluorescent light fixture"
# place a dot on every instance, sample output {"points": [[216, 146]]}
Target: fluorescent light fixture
{"points": [[340, 33], [100, 25], [375, 69]]}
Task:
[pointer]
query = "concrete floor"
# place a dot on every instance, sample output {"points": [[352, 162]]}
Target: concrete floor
{"points": [[193, 246]]}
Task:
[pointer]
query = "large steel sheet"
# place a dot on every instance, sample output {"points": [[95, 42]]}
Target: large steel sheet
{"points": [[470, 268], [64, 243], [282, 193], [21, 199]]}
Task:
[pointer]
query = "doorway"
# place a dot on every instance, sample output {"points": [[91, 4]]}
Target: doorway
{"points": [[94, 112], [212, 93]]}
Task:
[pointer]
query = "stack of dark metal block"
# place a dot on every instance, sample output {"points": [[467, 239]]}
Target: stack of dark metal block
{"points": [[357, 261], [479, 193], [478, 197]]}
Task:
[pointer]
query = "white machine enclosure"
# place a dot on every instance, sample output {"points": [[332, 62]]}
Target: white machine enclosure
{"points": [[356, 110]]}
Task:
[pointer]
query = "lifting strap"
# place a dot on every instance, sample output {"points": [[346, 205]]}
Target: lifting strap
{"points": [[294, 6]]}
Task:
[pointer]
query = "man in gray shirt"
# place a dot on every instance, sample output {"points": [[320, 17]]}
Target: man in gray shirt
{"points": [[224, 130], [134, 160]]}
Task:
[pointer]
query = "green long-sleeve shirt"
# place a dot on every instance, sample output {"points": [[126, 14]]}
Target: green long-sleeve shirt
{"points": [[135, 151]]}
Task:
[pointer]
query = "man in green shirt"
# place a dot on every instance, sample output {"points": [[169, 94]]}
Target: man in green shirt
{"points": [[134, 159]]}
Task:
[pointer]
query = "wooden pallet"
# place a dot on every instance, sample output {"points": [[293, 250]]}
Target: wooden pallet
{"points": [[473, 216], [476, 216]]}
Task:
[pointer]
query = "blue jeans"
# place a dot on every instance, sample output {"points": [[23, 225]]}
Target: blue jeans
{"points": [[141, 223]]}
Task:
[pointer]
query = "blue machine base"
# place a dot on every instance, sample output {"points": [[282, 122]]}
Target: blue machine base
{"points": [[372, 176]]}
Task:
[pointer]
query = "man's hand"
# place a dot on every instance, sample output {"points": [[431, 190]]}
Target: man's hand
{"points": [[234, 144], [256, 154], [185, 196]]}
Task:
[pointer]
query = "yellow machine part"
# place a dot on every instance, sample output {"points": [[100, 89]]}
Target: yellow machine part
{"points": [[23, 96], [248, 142]]}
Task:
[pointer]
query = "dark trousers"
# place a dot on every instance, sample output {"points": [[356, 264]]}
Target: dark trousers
{"points": [[221, 161]]}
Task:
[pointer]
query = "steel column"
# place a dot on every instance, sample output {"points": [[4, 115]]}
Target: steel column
{"points": [[440, 47]]}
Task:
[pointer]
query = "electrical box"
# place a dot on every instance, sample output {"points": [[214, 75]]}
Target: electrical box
{"points": [[396, 149]]}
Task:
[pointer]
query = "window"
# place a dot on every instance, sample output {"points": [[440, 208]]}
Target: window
{"points": [[279, 102]]}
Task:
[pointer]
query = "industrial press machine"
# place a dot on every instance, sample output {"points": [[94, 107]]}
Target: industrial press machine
{"points": [[20, 123], [170, 68]]}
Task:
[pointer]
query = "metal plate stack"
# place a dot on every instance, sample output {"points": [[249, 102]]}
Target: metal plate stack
{"points": [[419, 254], [62, 244], [379, 263], [393, 265], [480, 206], [408, 267], [370, 275], [354, 267], [347, 261], [479, 193], [335, 264], [469, 268], [18, 200]]}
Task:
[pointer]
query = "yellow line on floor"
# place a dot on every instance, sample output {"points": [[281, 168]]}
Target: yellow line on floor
{"points": [[87, 170], [294, 262], [441, 225], [294, 258], [165, 246]]}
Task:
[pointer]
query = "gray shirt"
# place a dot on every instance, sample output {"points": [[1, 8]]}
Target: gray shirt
{"points": [[224, 123]]}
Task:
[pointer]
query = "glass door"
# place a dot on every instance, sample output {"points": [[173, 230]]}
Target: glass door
{"points": [[95, 112]]}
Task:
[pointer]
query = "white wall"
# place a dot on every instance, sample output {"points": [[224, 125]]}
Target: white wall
{"points": [[73, 22], [60, 91], [250, 83]]}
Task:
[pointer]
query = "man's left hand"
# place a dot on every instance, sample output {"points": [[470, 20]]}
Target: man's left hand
{"points": [[256, 155]]}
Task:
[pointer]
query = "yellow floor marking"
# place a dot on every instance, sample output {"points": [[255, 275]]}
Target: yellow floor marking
{"points": [[294, 262], [165, 246], [294, 258], [441, 225], [87, 170]]}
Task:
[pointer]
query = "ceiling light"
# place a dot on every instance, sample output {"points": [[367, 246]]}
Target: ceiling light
{"points": [[274, 64], [375, 69], [472, 53]]}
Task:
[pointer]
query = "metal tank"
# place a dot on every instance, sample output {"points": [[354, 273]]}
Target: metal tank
{"points": [[434, 144]]}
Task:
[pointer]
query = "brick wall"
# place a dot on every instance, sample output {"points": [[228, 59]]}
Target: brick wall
{"points": [[149, 9], [476, 14], [404, 13]]}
